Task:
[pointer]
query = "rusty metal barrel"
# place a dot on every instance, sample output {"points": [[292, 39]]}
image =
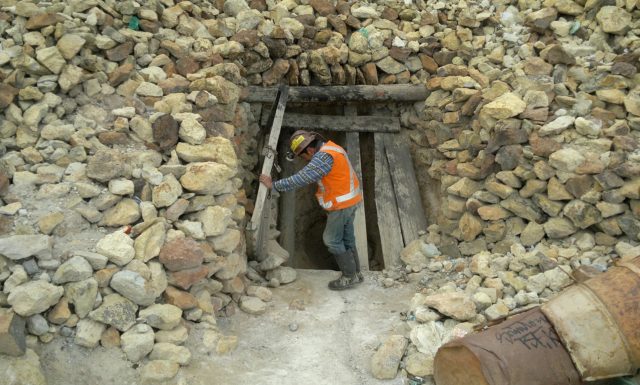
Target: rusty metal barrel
{"points": [[523, 350], [599, 322]]}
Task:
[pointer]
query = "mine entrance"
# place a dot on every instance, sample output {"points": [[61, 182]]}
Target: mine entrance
{"points": [[355, 118]]}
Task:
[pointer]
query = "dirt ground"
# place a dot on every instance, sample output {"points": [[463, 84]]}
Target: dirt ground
{"points": [[337, 333]]}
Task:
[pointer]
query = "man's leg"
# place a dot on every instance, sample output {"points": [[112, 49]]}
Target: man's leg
{"points": [[350, 240], [333, 238], [333, 235]]}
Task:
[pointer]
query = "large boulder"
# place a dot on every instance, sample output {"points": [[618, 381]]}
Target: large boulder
{"points": [[18, 247], [207, 177], [386, 360], [34, 297]]}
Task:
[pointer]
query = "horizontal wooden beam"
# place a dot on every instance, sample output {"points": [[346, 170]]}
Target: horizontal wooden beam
{"points": [[392, 92], [339, 123]]}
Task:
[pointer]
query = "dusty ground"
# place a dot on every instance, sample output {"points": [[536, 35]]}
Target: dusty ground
{"points": [[336, 336]]}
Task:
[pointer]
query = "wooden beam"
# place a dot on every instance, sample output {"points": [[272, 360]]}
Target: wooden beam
{"points": [[259, 223], [386, 207], [383, 93], [287, 207], [340, 123], [405, 186], [360, 221]]}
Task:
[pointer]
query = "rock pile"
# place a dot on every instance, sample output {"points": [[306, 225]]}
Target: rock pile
{"points": [[459, 295], [532, 130], [122, 177], [532, 125]]}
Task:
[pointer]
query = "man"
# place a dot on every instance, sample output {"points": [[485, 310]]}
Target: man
{"points": [[338, 193]]}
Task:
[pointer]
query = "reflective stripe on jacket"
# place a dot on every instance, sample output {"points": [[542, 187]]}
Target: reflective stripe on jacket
{"points": [[340, 188]]}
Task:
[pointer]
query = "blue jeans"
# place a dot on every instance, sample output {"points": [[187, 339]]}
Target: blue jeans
{"points": [[338, 235]]}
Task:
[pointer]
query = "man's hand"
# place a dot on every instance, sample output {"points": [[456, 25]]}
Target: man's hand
{"points": [[266, 180]]}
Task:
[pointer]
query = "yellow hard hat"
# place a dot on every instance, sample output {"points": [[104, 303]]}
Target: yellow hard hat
{"points": [[300, 140]]}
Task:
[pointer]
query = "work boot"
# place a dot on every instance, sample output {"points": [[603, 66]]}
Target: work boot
{"points": [[347, 266], [359, 275]]}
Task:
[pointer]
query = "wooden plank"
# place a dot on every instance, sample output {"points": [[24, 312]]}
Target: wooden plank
{"points": [[360, 221], [340, 123], [287, 206], [259, 219], [386, 207], [382, 93], [405, 186]]}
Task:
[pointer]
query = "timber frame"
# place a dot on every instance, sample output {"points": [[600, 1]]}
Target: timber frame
{"points": [[397, 198]]}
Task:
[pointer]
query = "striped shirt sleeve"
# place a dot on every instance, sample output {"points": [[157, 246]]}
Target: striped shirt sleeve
{"points": [[318, 167]]}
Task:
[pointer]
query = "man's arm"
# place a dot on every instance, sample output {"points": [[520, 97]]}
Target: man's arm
{"points": [[318, 167]]}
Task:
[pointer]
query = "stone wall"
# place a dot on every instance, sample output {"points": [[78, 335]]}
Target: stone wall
{"points": [[532, 125]]}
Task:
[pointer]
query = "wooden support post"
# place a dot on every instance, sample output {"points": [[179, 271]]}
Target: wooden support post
{"points": [[360, 222], [260, 219], [382, 93], [341, 123], [405, 186], [287, 208], [386, 206]]}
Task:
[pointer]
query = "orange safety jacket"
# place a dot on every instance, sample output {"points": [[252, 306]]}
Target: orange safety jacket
{"points": [[340, 188]]}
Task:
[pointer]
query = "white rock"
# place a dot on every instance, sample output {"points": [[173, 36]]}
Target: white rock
{"points": [[482, 300], [414, 256], [558, 278], [82, 295], [537, 283], [284, 274], [133, 286], [74, 270], [364, 11], [566, 159], [153, 74], [17, 247], [170, 352], [191, 228], [97, 261], [121, 187], [137, 342], [18, 277], [215, 220], [504, 106], [34, 297], [192, 132], [386, 360], [69, 45], [88, 333], [51, 58], [626, 251], [497, 311], [428, 337], [261, 292], [118, 247], [126, 112], [174, 336], [11, 208], [453, 304], [159, 371], [252, 305], [588, 127], [161, 316], [557, 126], [207, 177], [149, 89], [167, 192], [292, 25]]}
